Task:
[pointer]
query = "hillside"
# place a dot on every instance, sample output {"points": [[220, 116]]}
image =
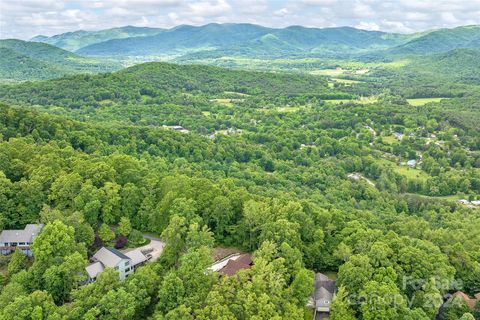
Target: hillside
{"points": [[39, 51], [73, 41], [163, 81], [251, 39], [15, 66], [23, 60], [441, 41], [461, 64]]}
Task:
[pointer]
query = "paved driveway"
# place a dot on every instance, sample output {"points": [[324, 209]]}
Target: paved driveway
{"points": [[154, 248], [157, 246]]}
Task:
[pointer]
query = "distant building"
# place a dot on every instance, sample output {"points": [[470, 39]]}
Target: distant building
{"points": [[10, 240], [463, 201], [124, 263], [412, 163], [176, 128], [476, 202], [323, 295], [398, 135]]}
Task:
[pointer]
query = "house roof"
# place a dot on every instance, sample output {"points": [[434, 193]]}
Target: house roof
{"points": [[237, 263], [118, 253], [94, 269], [324, 290], [136, 256], [26, 235], [109, 257], [245, 258], [233, 267]]}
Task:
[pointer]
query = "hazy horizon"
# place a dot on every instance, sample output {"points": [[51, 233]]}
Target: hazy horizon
{"points": [[28, 18]]}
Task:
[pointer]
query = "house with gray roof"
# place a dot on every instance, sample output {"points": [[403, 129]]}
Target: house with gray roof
{"points": [[124, 263], [323, 295], [10, 240]]}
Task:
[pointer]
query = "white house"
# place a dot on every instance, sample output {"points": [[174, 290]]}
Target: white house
{"points": [[125, 264], [412, 163], [10, 240]]}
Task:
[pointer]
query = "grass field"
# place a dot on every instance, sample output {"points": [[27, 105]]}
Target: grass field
{"points": [[454, 197], [327, 72], [423, 101], [389, 139], [410, 173], [361, 100], [236, 93], [346, 81], [338, 101], [223, 102], [288, 109]]}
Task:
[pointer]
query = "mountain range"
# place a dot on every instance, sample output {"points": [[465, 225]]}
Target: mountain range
{"points": [[108, 50], [249, 40], [75, 40]]}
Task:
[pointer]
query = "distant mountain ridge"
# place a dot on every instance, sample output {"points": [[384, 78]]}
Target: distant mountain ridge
{"points": [[75, 40], [249, 38], [442, 40]]}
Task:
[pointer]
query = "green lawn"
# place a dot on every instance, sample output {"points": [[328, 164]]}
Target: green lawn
{"points": [[389, 139], [423, 101], [410, 173]]}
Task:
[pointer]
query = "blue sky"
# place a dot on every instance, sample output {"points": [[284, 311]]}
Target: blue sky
{"points": [[26, 18]]}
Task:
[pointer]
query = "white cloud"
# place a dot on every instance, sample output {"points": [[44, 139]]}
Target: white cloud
{"points": [[26, 18], [362, 10], [281, 13], [319, 2], [368, 26], [449, 17], [208, 9]]}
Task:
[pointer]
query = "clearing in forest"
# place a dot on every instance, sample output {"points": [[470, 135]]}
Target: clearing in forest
{"points": [[418, 102]]}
